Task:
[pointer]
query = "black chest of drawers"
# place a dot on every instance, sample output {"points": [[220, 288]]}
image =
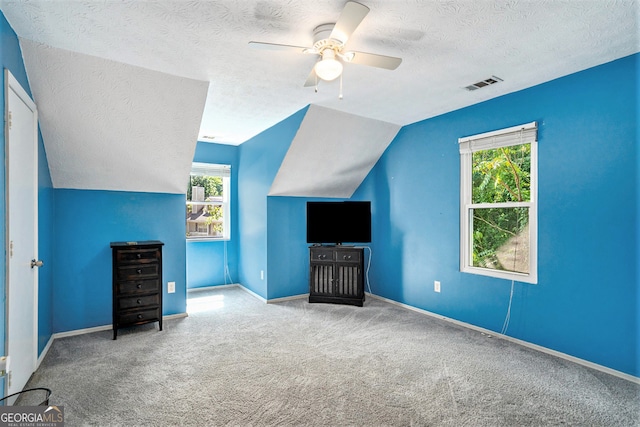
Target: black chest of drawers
{"points": [[137, 283]]}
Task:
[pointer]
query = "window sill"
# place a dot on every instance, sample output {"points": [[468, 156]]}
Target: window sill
{"points": [[498, 274], [208, 239]]}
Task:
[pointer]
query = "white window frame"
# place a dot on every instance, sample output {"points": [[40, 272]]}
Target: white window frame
{"points": [[516, 135], [223, 171]]}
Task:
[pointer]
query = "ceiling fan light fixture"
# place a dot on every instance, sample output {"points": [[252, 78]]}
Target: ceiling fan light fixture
{"points": [[329, 68]]}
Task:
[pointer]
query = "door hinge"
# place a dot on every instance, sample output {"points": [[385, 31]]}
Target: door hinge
{"points": [[11, 249], [9, 121]]}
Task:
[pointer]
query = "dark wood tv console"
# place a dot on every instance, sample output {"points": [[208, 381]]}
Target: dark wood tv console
{"points": [[336, 275]]}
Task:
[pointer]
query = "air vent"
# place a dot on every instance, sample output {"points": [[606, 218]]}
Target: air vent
{"points": [[209, 137], [491, 80]]}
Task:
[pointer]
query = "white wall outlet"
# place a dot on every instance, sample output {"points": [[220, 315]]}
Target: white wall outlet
{"points": [[171, 287], [261, 274], [436, 286]]}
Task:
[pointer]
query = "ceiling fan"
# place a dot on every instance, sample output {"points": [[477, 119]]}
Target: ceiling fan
{"points": [[329, 44]]}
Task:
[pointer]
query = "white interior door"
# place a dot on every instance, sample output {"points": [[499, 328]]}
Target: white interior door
{"points": [[22, 233]]}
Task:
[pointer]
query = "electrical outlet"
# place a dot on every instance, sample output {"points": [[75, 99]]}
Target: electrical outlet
{"points": [[436, 286], [171, 287]]}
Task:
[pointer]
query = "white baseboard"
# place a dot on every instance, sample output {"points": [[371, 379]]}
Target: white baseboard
{"points": [[45, 350], [253, 294], [107, 327], [212, 287], [233, 285], [542, 349], [539, 348], [83, 331], [175, 316], [274, 300]]}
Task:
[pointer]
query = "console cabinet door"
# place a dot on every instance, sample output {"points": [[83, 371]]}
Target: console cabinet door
{"points": [[348, 280], [322, 279]]}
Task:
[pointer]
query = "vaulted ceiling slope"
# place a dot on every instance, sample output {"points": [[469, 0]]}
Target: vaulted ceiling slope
{"points": [[112, 126], [445, 46], [331, 154]]}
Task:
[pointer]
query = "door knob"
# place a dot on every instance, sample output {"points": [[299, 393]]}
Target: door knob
{"points": [[37, 263]]}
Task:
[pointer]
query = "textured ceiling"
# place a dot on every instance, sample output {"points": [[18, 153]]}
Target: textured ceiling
{"points": [[445, 46]]}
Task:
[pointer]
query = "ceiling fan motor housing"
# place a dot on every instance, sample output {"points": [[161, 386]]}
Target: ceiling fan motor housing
{"points": [[321, 40]]}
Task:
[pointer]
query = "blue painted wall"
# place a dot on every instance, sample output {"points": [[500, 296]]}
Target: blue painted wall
{"points": [[260, 159], [205, 259], [86, 221], [586, 301], [287, 247], [585, 304], [11, 58]]}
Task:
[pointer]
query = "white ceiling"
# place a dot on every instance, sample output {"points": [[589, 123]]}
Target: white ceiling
{"points": [[124, 88], [445, 46]]}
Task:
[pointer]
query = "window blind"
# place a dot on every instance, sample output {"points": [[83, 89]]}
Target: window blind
{"points": [[210, 169], [515, 135]]}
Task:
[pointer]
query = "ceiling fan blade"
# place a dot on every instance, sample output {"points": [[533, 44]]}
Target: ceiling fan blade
{"points": [[312, 79], [351, 16], [373, 60], [274, 46]]}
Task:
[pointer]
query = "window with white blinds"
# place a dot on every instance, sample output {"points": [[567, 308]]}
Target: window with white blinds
{"points": [[498, 203], [208, 202]]}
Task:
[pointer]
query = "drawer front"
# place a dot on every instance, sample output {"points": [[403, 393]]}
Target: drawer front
{"points": [[348, 255], [140, 301], [321, 254], [138, 316], [139, 271], [138, 287], [128, 256]]}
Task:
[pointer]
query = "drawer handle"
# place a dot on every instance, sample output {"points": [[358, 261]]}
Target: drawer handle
{"points": [[139, 271], [322, 256], [139, 256], [139, 316], [139, 301], [139, 286], [346, 257]]}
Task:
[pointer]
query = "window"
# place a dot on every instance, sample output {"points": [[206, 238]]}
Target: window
{"points": [[498, 206], [208, 199]]}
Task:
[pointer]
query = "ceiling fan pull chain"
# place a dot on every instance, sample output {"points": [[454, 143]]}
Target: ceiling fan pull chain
{"points": [[316, 83], [340, 95]]}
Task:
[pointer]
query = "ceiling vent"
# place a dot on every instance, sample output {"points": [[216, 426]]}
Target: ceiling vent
{"points": [[490, 81]]}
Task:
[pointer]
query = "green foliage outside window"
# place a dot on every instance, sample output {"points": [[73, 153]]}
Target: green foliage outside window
{"points": [[214, 213], [500, 235], [212, 185]]}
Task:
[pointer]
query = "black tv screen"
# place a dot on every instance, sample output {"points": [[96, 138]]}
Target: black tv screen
{"points": [[338, 222]]}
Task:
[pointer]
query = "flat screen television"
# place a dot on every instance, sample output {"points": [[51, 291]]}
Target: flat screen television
{"points": [[338, 222]]}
